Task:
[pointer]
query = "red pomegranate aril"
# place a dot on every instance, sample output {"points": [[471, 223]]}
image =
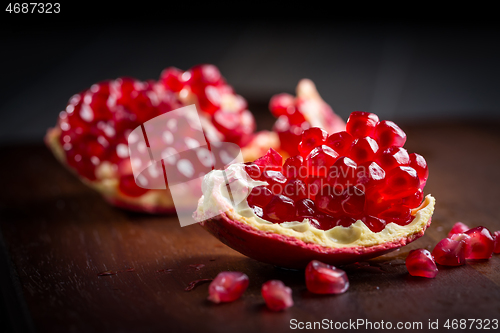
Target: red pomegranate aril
{"points": [[345, 221], [128, 187], [354, 202], [458, 228], [312, 138], [205, 74], [400, 182], [361, 124], [341, 142], [295, 189], [293, 167], [388, 134], [172, 78], [227, 287], [305, 208], [331, 203], [373, 223], [370, 174], [319, 161], [272, 160], [282, 105], [418, 163], [260, 196], [400, 215], [481, 243], [289, 134], [414, 200], [393, 157], [496, 244], [258, 211], [315, 186], [277, 296], [280, 209], [466, 239], [375, 203], [323, 221], [420, 262], [363, 150], [275, 179], [253, 171], [343, 173], [449, 252], [325, 279]]}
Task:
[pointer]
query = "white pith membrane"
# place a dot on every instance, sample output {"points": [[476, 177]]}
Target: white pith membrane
{"points": [[216, 199]]}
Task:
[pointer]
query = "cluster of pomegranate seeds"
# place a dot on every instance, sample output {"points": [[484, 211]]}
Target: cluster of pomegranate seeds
{"points": [[421, 263], [363, 173], [277, 296], [325, 279], [227, 287]]}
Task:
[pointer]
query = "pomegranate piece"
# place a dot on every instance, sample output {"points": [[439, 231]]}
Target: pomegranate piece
{"points": [[496, 245], [278, 297], [325, 279], [312, 138], [481, 243], [361, 124], [227, 287], [388, 134], [458, 228], [449, 252], [421, 263], [280, 209]]}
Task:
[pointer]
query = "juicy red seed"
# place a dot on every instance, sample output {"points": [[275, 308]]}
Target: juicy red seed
{"points": [[466, 239], [331, 203], [370, 174], [280, 209], [323, 221], [354, 202], [272, 160], [258, 211], [319, 161], [496, 245], [400, 182], [481, 243], [129, 187], [277, 296], [295, 189], [361, 124], [289, 134], [282, 105], [400, 215], [389, 134], [312, 138], [325, 279], [343, 173], [418, 163], [363, 150], [345, 221], [374, 223], [260, 196], [293, 167], [205, 74], [275, 179], [458, 228], [449, 252], [227, 287], [172, 78], [375, 203], [253, 170], [414, 200], [315, 186], [305, 208], [421, 263], [393, 157], [341, 142]]}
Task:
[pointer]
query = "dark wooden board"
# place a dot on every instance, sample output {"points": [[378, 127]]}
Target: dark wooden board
{"points": [[59, 235]]}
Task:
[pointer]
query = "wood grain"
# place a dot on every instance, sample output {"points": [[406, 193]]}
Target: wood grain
{"points": [[60, 235]]}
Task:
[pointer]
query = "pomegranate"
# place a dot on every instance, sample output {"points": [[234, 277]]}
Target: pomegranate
{"points": [[90, 136], [278, 297], [320, 204], [227, 287], [325, 279], [296, 114], [421, 263]]}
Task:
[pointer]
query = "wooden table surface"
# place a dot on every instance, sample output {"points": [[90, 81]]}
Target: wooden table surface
{"points": [[59, 235]]}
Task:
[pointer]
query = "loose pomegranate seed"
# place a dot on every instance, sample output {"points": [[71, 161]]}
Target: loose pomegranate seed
{"points": [[421, 263], [343, 173], [388, 134], [363, 150], [293, 168], [361, 124], [275, 179], [280, 209], [278, 297], [449, 252], [393, 157], [260, 196], [466, 239], [496, 245], [374, 223], [227, 287], [418, 163], [312, 138], [325, 279], [341, 142], [319, 161], [272, 160], [400, 182], [458, 228], [295, 189], [481, 243]]}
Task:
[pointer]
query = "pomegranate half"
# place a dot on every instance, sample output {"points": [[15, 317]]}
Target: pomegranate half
{"points": [[348, 196]]}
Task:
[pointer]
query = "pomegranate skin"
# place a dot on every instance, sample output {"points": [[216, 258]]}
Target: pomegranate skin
{"points": [[290, 252]]}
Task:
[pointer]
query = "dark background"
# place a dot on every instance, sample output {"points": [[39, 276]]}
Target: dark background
{"points": [[404, 67]]}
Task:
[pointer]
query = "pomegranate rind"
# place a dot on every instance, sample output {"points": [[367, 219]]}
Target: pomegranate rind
{"points": [[295, 244]]}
